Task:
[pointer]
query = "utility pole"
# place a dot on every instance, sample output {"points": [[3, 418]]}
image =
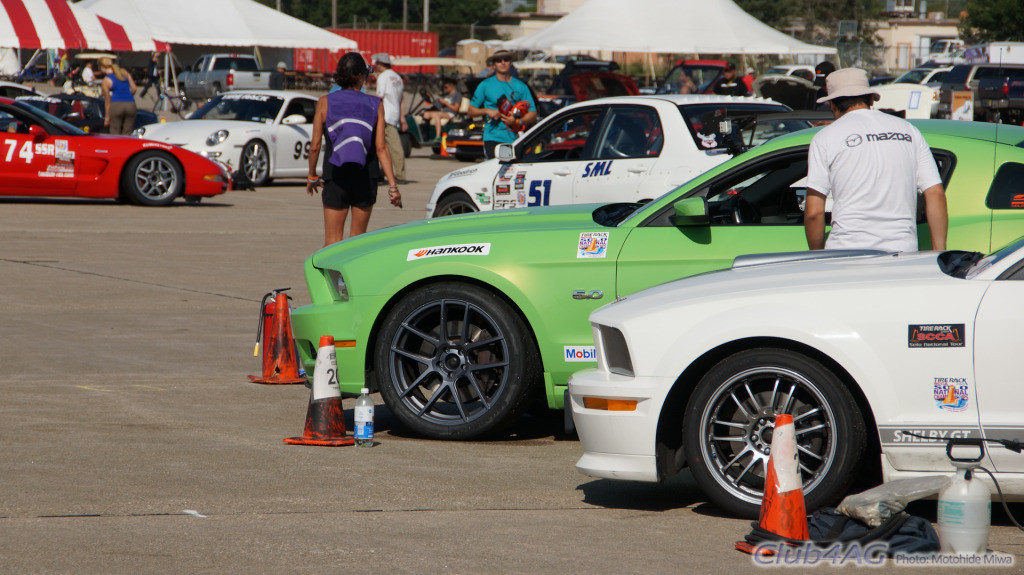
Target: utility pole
{"points": [[278, 5], [426, 15], [334, 13], [405, 14]]}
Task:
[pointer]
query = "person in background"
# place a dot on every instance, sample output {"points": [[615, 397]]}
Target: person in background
{"points": [[495, 97], [445, 107], [821, 72], [119, 97], [152, 75], [873, 165], [353, 124], [390, 88], [88, 75], [686, 84], [277, 77], [488, 70], [728, 84]]}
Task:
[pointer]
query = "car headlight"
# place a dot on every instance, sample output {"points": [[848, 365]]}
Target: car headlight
{"points": [[614, 350], [456, 133], [217, 137], [338, 288], [139, 132]]}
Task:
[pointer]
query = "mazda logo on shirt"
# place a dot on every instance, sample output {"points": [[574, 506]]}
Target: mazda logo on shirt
{"points": [[854, 140]]}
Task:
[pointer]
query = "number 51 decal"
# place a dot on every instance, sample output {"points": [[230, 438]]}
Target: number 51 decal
{"points": [[540, 197]]}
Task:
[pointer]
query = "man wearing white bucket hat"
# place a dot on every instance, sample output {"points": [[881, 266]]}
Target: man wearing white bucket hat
{"points": [[873, 165]]}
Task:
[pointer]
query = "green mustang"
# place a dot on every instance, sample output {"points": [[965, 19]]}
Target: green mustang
{"points": [[460, 321]]}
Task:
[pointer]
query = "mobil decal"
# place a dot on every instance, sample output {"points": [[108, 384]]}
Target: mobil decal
{"points": [[936, 335], [592, 245], [597, 169], [580, 353], [950, 393], [453, 250]]}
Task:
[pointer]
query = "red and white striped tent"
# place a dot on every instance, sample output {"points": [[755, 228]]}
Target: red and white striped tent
{"points": [[48, 24]]}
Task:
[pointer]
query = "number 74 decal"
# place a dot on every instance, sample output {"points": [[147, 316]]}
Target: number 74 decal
{"points": [[539, 196]]}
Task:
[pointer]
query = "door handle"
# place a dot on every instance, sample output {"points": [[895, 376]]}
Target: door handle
{"points": [[637, 170], [563, 172]]}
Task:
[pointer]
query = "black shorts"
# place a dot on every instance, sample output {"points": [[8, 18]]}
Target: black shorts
{"points": [[348, 186]]}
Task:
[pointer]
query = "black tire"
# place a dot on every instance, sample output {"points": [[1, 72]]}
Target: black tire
{"points": [[254, 163], [152, 178], [454, 204], [738, 399], [455, 361], [406, 144]]}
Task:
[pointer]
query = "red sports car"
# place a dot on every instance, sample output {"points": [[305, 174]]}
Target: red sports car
{"points": [[41, 155]]}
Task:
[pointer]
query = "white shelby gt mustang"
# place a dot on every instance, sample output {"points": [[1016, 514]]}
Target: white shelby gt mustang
{"points": [[260, 134], [878, 357], [622, 149]]}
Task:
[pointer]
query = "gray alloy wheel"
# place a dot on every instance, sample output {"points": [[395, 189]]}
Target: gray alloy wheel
{"points": [[454, 361], [152, 179], [255, 163], [453, 204], [730, 419]]}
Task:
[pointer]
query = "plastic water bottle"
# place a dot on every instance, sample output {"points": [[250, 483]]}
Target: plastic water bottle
{"points": [[364, 419], [965, 513]]}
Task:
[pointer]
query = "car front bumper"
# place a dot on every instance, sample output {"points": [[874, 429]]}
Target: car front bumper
{"points": [[618, 444]]}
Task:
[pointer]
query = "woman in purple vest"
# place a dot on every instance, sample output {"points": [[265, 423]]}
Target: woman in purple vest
{"points": [[353, 124]]}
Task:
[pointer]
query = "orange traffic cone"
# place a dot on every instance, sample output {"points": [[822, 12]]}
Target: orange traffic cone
{"points": [[280, 358], [444, 145], [325, 422], [782, 505]]}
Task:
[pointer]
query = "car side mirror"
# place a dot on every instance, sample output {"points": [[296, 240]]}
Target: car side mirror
{"points": [[294, 119], [505, 153], [691, 212], [37, 132]]}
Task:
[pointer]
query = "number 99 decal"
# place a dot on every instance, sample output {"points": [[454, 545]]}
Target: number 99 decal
{"points": [[301, 150]]}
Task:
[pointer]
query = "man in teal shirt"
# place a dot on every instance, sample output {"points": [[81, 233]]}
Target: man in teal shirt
{"points": [[495, 98]]}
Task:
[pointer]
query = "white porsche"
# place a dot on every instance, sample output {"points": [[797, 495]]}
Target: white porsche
{"points": [[260, 134], [880, 358], [621, 149]]}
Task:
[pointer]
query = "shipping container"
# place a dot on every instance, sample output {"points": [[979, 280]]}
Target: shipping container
{"points": [[397, 43]]}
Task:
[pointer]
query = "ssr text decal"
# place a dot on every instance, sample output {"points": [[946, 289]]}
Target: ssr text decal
{"points": [[936, 335]]}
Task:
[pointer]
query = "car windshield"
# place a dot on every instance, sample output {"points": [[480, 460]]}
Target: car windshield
{"points": [[995, 257], [741, 125], [241, 108], [700, 75], [36, 115], [912, 77]]}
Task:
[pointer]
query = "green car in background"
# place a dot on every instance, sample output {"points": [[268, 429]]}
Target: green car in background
{"points": [[461, 321]]}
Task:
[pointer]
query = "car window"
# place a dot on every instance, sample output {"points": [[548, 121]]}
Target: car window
{"points": [[1005, 193], [752, 134], [700, 75], [937, 77], [805, 74], [630, 132], [302, 106], [240, 107], [912, 77], [564, 139], [772, 192]]}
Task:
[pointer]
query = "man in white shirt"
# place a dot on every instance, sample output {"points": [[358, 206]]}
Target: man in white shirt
{"points": [[873, 165], [88, 76], [390, 88]]}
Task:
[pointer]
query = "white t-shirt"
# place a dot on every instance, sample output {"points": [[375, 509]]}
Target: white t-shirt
{"points": [[873, 165], [389, 88], [87, 76]]}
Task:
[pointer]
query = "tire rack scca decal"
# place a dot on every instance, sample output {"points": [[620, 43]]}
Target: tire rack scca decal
{"points": [[452, 250], [936, 335]]}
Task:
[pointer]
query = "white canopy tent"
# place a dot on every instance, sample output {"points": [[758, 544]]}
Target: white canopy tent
{"points": [[664, 26], [235, 23]]}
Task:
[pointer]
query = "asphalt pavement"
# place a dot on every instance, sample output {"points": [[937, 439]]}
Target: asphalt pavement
{"points": [[134, 443]]}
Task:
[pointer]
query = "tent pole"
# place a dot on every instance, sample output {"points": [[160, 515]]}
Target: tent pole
{"points": [[256, 54]]}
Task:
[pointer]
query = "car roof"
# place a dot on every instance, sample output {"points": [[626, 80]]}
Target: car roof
{"points": [[680, 99], [1002, 133], [278, 93]]}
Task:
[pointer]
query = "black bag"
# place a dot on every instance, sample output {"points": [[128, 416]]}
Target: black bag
{"points": [[904, 533]]}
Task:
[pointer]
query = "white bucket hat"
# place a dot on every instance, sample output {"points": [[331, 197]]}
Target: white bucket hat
{"points": [[846, 83]]}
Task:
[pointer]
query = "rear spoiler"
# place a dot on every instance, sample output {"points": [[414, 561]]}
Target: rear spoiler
{"points": [[751, 260]]}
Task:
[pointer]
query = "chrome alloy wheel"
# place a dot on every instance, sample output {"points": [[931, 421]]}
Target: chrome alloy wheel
{"points": [[738, 423], [449, 362], [255, 163], [156, 178]]}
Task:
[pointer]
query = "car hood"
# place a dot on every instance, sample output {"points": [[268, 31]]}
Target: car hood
{"points": [[796, 279], [196, 131], [461, 229]]}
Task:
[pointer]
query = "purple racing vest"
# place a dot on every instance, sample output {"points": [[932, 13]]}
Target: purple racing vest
{"points": [[351, 117]]}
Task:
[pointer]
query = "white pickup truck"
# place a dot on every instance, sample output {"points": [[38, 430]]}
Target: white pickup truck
{"points": [[216, 73]]}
